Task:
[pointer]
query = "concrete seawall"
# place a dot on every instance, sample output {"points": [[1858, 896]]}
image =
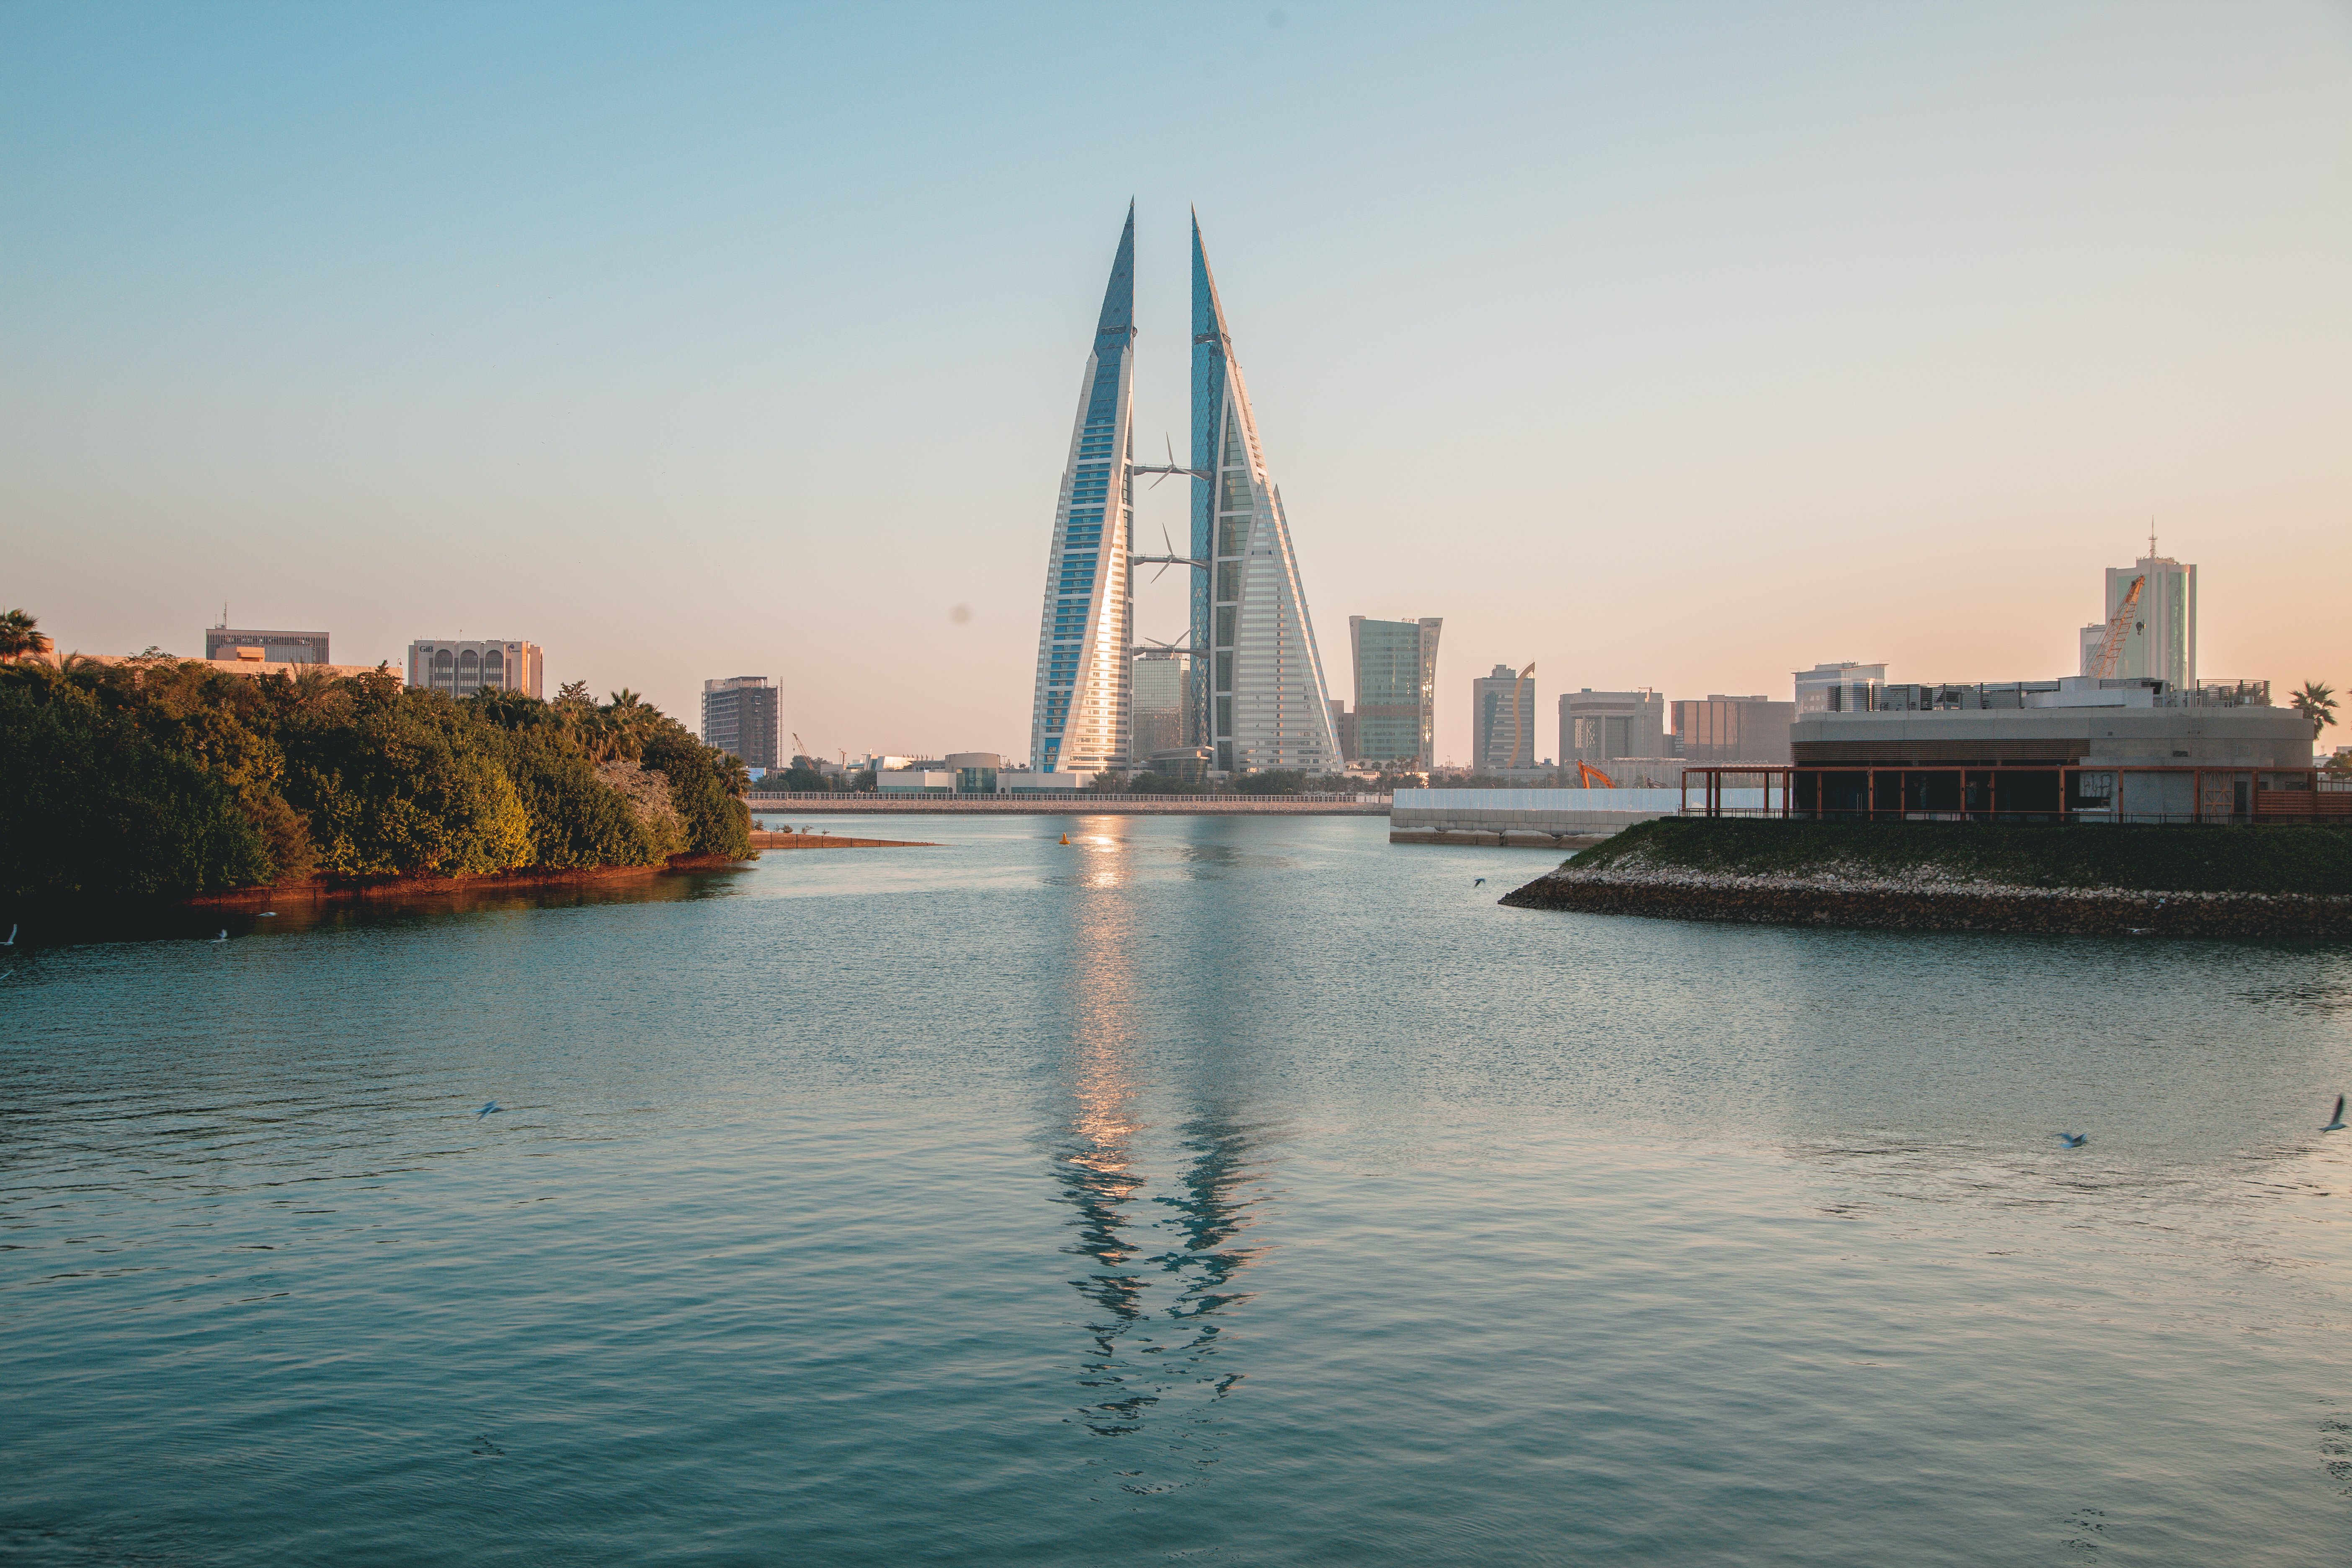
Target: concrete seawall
{"points": [[1562, 819], [1060, 805]]}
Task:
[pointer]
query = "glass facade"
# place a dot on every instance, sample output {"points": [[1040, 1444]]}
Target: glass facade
{"points": [[1261, 699], [1502, 721], [2161, 644], [1396, 691], [1078, 715]]}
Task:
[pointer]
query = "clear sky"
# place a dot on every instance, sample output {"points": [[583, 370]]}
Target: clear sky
{"points": [[1673, 345]]}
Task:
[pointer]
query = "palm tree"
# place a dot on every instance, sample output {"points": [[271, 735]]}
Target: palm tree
{"points": [[2316, 702], [20, 634]]}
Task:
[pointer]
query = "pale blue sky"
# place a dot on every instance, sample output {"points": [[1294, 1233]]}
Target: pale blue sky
{"points": [[1675, 345]]}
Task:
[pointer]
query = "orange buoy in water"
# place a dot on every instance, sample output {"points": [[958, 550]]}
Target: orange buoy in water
{"points": [[1065, 838]]}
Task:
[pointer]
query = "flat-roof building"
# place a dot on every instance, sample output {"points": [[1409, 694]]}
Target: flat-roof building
{"points": [[265, 647], [1158, 691], [1396, 691], [1719, 729], [463, 667], [1502, 720], [740, 717], [1598, 726]]}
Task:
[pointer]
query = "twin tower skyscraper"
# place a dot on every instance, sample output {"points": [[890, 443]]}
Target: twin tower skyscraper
{"points": [[1256, 697]]}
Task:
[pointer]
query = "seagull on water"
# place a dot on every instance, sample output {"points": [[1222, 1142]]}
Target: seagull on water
{"points": [[2336, 1122], [2073, 1139], [487, 1107]]}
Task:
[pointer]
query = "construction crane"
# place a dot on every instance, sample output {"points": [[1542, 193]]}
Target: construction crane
{"points": [[2111, 646], [1586, 773], [800, 747]]}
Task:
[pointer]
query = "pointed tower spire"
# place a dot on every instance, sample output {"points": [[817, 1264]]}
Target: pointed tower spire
{"points": [[1085, 636], [1261, 700]]}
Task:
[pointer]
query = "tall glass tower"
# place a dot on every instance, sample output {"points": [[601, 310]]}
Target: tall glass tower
{"points": [[1260, 698], [1078, 719]]}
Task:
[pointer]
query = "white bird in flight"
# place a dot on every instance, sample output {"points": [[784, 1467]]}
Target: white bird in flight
{"points": [[487, 1107], [223, 935], [12, 938], [2336, 1122], [2073, 1139]]}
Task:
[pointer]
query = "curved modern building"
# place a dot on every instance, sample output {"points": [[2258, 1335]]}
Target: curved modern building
{"points": [[1263, 702], [1079, 718], [1259, 697]]}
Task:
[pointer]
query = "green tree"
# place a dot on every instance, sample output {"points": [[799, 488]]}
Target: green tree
{"points": [[2316, 702], [20, 634], [717, 820], [97, 815], [406, 784]]}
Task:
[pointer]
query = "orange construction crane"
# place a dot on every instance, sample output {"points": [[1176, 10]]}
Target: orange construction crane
{"points": [[2111, 646], [1586, 773]]}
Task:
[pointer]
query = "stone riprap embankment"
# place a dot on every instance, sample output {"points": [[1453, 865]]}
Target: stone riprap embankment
{"points": [[2054, 881], [1905, 904]]}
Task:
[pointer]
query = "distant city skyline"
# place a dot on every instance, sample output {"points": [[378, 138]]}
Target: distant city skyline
{"points": [[1668, 349]]}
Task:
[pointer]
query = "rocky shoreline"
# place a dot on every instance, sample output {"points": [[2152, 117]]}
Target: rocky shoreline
{"points": [[1928, 901]]}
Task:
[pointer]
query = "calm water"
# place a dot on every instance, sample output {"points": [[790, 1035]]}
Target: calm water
{"points": [[1213, 1191]]}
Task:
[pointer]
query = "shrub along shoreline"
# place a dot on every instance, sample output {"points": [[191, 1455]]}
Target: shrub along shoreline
{"points": [[137, 788]]}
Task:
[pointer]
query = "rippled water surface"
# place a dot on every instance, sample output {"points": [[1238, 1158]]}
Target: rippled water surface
{"points": [[1204, 1190]]}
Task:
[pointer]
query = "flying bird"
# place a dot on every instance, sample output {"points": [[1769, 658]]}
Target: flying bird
{"points": [[223, 935], [1478, 883], [2073, 1139], [2336, 1123], [12, 938], [487, 1107]]}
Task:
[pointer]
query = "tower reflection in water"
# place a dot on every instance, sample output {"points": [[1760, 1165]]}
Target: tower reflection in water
{"points": [[1160, 1270]]}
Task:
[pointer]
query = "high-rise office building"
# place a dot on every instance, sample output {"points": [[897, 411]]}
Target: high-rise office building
{"points": [[1733, 730], [1343, 725], [1599, 726], [1078, 715], [1503, 719], [2160, 641], [1396, 691], [273, 647], [1265, 698], [462, 668], [1160, 685], [740, 717]]}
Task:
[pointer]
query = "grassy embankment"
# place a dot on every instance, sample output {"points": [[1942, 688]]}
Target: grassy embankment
{"points": [[2282, 860]]}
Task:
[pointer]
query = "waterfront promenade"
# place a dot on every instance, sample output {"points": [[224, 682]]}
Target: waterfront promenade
{"points": [[1077, 802]]}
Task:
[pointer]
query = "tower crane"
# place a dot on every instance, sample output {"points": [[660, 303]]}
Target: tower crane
{"points": [[2119, 624]]}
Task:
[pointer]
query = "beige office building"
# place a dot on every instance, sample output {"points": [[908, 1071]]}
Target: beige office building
{"points": [[462, 668]]}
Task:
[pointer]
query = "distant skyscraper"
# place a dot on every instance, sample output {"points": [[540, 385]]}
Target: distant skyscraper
{"points": [[2161, 642], [1160, 682], [275, 648], [1343, 724], [1265, 699], [1078, 716], [1599, 726], [462, 668], [1396, 691], [740, 717], [1502, 721]]}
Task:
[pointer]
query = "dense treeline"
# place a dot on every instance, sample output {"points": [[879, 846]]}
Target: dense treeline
{"points": [[158, 779]]}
